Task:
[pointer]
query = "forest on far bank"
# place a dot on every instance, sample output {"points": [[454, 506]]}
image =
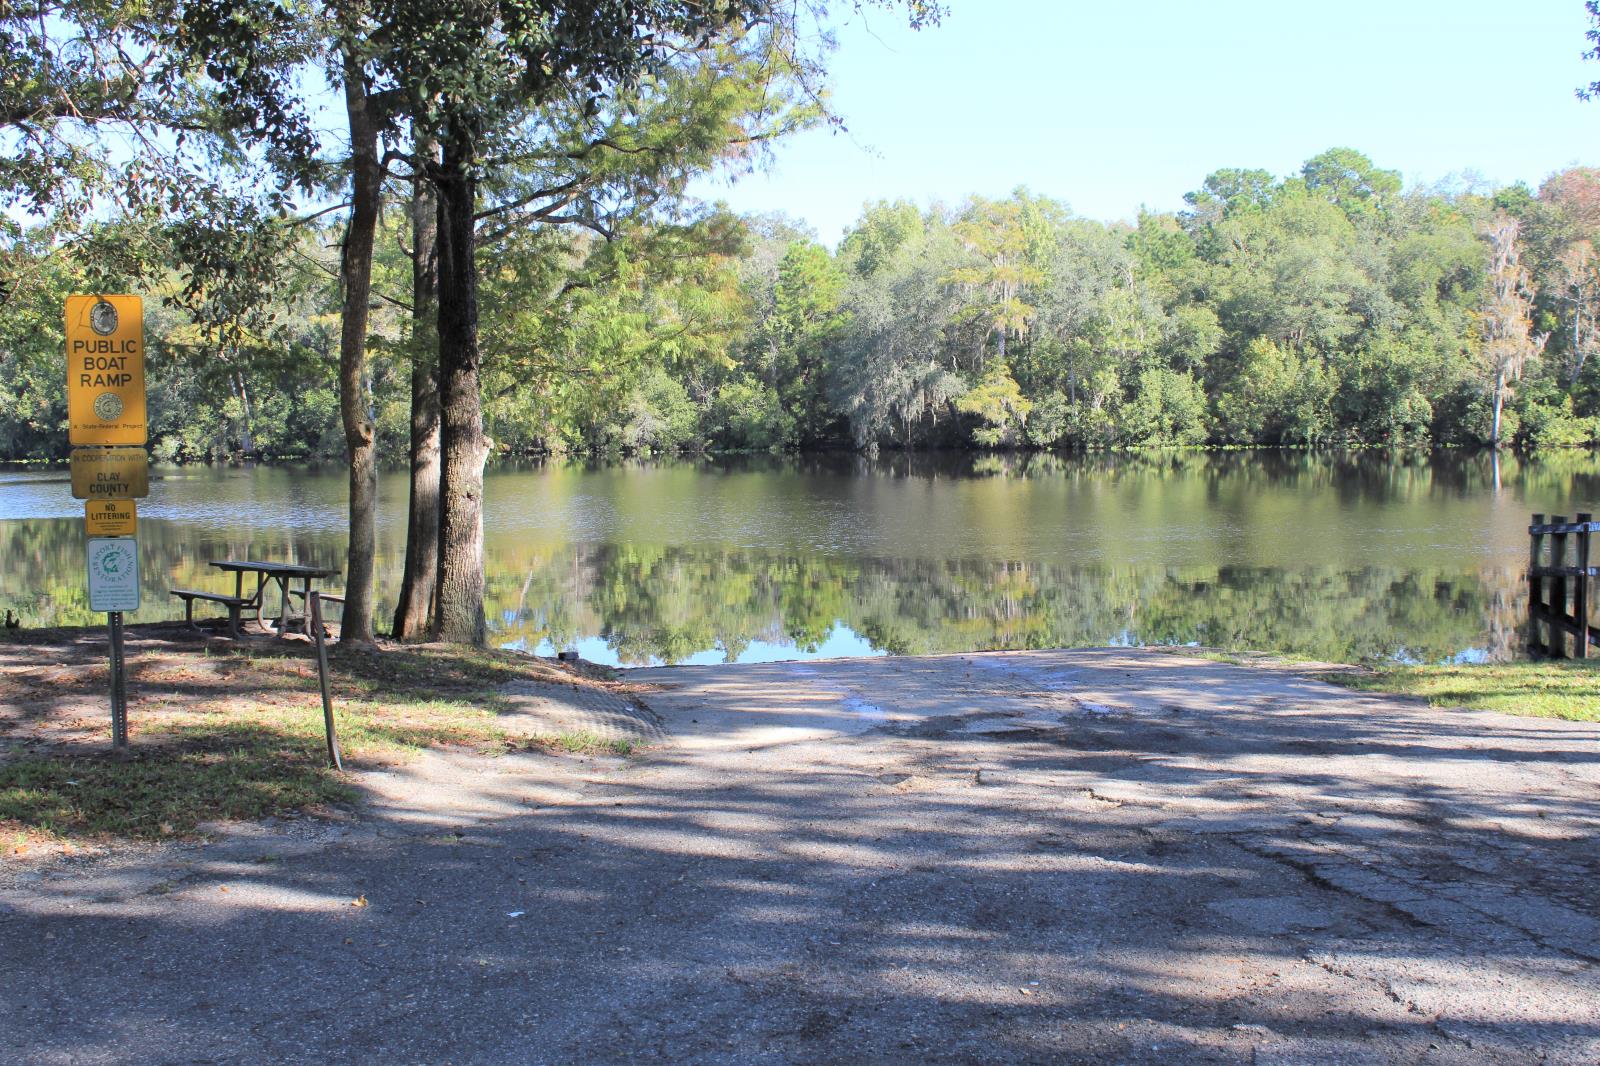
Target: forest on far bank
{"points": [[1333, 307]]}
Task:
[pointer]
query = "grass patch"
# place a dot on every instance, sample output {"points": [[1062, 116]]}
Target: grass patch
{"points": [[240, 760], [235, 733], [1545, 689], [240, 773], [368, 729], [582, 742]]}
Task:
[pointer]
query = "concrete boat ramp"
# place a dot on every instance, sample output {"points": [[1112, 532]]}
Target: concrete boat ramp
{"points": [[1159, 857], [1089, 856]]}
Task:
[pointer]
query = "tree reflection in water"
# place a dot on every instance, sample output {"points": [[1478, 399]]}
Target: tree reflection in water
{"points": [[667, 603], [1365, 556]]}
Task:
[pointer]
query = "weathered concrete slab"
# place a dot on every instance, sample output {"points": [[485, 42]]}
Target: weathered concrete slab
{"points": [[1474, 832]]}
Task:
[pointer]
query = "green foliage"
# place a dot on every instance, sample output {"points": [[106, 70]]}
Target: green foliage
{"points": [[806, 319], [1544, 420], [1351, 181], [33, 401], [1000, 407], [1328, 308], [661, 417], [1278, 396], [883, 229], [1385, 398], [228, 372], [1168, 407], [745, 415]]}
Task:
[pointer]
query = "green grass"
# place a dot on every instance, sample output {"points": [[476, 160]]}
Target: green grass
{"points": [[233, 771], [237, 773], [1544, 689], [230, 734], [583, 742]]}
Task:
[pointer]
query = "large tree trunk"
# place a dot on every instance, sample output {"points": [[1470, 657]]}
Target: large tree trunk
{"points": [[413, 616], [459, 614], [355, 269]]}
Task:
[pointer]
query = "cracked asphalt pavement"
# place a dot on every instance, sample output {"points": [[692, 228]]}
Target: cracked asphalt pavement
{"points": [[1088, 856]]}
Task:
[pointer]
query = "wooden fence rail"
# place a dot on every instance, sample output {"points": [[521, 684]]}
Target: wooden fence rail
{"points": [[1559, 579]]}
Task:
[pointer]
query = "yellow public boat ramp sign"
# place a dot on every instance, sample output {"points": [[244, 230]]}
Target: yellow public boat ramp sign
{"points": [[105, 370]]}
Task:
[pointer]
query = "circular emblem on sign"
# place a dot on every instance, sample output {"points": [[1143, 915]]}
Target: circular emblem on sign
{"points": [[108, 407], [103, 318], [113, 561]]}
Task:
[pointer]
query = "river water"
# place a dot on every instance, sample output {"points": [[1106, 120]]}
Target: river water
{"points": [[1361, 556]]}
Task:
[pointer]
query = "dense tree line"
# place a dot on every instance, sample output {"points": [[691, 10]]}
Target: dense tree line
{"points": [[1329, 308]]}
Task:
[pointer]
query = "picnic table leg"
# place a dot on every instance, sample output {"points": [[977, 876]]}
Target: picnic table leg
{"points": [[261, 597], [283, 604]]}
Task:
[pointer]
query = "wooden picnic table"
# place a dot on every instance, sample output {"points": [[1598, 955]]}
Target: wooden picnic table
{"points": [[283, 574]]}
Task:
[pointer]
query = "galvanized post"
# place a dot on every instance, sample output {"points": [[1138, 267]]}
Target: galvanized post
{"points": [[119, 685], [318, 634]]}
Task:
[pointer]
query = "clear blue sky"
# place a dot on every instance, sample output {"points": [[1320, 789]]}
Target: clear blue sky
{"points": [[1112, 106]]}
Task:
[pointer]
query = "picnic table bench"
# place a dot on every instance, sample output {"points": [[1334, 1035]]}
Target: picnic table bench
{"points": [[235, 605], [281, 574]]}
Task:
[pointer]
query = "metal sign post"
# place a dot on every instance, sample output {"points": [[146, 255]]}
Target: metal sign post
{"points": [[119, 686], [106, 414], [319, 633]]}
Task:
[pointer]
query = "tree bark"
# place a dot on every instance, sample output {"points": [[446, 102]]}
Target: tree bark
{"points": [[458, 617], [246, 441], [419, 588], [360, 435]]}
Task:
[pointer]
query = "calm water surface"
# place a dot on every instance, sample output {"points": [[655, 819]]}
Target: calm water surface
{"points": [[1338, 557]]}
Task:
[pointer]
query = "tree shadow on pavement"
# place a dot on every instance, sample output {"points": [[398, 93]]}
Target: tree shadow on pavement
{"points": [[1305, 875]]}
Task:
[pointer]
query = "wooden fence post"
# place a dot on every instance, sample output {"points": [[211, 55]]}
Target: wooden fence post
{"points": [[1558, 591], [1536, 644], [1580, 592]]}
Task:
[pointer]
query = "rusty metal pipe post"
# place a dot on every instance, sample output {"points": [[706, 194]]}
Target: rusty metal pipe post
{"points": [[319, 634]]}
